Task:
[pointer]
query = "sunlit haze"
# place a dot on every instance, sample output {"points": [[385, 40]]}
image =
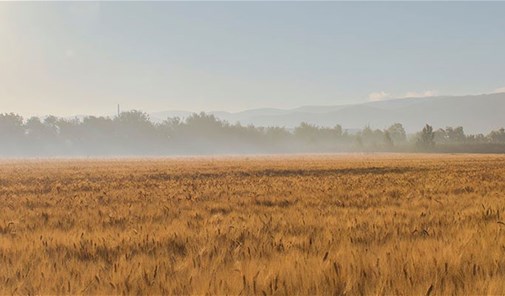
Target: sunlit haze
{"points": [[252, 148], [87, 57]]}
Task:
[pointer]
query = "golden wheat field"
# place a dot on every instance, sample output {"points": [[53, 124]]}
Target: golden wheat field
{"points": [[329, 224]]}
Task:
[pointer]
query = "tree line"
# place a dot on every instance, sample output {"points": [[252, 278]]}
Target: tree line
{"points": [[133, 133]]}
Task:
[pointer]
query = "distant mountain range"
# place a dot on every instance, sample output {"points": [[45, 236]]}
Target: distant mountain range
{"points": [[476, 113]]}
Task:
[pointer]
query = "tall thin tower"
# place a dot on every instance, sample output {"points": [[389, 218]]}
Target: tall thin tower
{"points": [[118, 110]]}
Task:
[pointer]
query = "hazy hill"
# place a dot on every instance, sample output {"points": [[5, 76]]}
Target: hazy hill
{"points": [[479, 113]]}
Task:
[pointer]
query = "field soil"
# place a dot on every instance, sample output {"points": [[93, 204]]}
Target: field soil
{"points": [[304, 224]]}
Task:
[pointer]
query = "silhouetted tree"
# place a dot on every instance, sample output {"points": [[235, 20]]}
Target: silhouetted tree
{"points": [[450, 135], [306, 132], [371, 139], [338, 130], [11, 133], [426, 138], [11, 126], [133, 133], [388, 142], [397, 133], [98, 136], [497, 136], [456, 135]]}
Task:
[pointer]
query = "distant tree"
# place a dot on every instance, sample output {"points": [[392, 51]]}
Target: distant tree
{"points": [[42, 136], [397, 133], [170, 127], [204, 124], [440, 136], [68, 128], [133, 121], [306, 132], [338, 130], [359, 142], [426, 139], [98, 127], [325, 138], [450, 135], [51, 121], [388, 142], [371, 138], [367, 132], [497, 136], [12, 133], [477, 139], [133, 133], [455, 135], [70, 133], [11, 126], [98, 135], [41, 131], [277, 134]]}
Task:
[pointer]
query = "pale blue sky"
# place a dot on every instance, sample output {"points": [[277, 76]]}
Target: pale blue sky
{"points": [[84, 58]]}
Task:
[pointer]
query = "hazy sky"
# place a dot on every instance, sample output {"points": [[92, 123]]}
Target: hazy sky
{"points": [[83, 58]]}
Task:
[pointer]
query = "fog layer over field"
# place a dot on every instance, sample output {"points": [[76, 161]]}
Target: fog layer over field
{"points": [[133, 133]]}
